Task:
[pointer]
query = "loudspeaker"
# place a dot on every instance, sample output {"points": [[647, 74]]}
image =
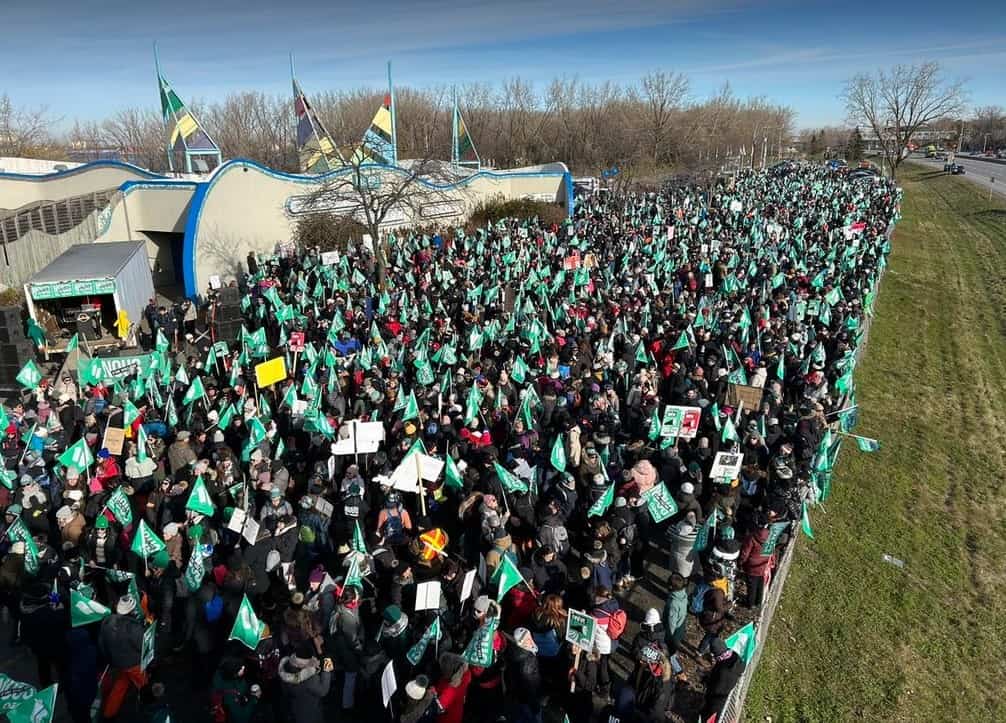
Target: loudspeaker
{"points": [[85, 327], [11, 327], [228, 330], [8, 375], [17, 354], [229, 295], [228, 312]]}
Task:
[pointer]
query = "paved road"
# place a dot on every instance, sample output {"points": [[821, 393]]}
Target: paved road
{"points": [[978, 171]]}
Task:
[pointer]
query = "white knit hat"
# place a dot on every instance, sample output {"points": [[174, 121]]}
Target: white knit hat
{"points": [[416, 689]]}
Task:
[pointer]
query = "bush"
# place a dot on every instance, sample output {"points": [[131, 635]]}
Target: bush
{"points": [[327, 232], [492, 210], [11, 296]]}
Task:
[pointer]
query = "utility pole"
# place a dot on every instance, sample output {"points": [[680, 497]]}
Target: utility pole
{"points": [[764, 150]]}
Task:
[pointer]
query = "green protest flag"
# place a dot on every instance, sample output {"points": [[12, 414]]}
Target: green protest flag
{"points": [[195, 392], [353, 576], [780, 370], [7, 477], [655, 425], [129, 413], [558, 456], [452, 475], [161, 343], [507, 576], [417, 651], [774, 533], [729, 431], [519, 371], [744, 642], [805, 521], [682, 342], [866, 444], [737, 376], [659, 503], [84, 610], [77, 455], [40, 708], [247, 628], [399, 399], [472, 404], [603, 503], [510, 481], [195, 571], [280, 450], [181, 376], [199, 499], [411, 408], [29, 376], [358, 544], [145, 542], [226, 415], [119, 504], [479, 651], [641, 356], [705, 534], [73, 344]]}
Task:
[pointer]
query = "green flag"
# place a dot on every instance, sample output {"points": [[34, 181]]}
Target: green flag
{"points": [[682, 342], [660, 503], [119, 504], [520, 370], [73, 344], [40, 708], [195, 391], [161, 343], [29, 376], [805, 521], [866, 444], [641, 356], [129, 413], [199, 498], [84, 610], [705, 534], [729, 431], [603, 503], [141, 444], [452, 475], [247, 629], [558, 457], [195, 571], [472, 404], [411, 408], [145, 542], [743, 642], [7, 477], [358, 544], [78, 455], [506, 576], [353, 576], [18, 532], [510, 481], [479, 651], [417, 651]]}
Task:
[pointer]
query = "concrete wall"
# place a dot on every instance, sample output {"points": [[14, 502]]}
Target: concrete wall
{"points": [[17, 190], [34, 250], [246, 207]]}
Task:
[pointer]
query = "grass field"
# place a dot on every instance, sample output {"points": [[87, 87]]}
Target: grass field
{"points": [[856, 638]]}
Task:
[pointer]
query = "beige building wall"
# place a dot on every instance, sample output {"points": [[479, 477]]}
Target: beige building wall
{"points": [[17, 191]]}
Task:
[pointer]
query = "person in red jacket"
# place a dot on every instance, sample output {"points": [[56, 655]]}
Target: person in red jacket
{"points": [[755, 565], [452, 688]]}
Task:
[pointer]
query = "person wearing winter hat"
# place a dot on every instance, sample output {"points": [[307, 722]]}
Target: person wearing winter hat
{"points": [[728, 667], [523, 678], [420, 704], [305, 681], [120, 642], [394, 630]]}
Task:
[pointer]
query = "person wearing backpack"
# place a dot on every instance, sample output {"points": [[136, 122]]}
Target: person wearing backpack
{"points": [[232, 700], [552, 530], [713, 611], [394, 523]]}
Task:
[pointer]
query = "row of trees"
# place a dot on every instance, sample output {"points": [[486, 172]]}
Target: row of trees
{"points": [[655, 123]]}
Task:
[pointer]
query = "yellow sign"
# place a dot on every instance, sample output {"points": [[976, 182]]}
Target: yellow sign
{"points": [[122, 324], [269, 372]]}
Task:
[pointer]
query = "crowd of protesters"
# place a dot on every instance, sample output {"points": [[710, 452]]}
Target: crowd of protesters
{"points": [[537, 364]]}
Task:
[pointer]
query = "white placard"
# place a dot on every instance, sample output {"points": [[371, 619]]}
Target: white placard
{"points": [[467, 585], [428, 595], [250, 531], [324, 507], [329, 258], [215, 281], [726, 465], [299, 407], [237, 521], [368, 241], [369, 436], [388, 683], [406, 475]]}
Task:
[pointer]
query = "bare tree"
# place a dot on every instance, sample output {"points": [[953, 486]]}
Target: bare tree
{"points": [[898, 102], [23, 131], [663, 95], [138, 134]]}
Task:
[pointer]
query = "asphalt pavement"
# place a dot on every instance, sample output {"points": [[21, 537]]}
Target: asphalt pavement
{"points": [[978, 171]]}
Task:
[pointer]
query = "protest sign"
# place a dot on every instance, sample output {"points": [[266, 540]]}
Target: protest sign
{"points": [[750, 396], [269, 372], [388, 683], [428, 595], [680, 421], [727, 465], [113, 440], [148, 646], [237, 521], [580, 628], [250, 531], [296, 343], [329, 258], [773, 537], [359, 438], [324, 507], [467, 584]]}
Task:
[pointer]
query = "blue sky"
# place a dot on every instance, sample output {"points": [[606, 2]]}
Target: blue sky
{"points": [[87, 59]]}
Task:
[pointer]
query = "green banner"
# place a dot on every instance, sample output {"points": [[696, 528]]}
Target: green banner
{"points": [[77, 287]]}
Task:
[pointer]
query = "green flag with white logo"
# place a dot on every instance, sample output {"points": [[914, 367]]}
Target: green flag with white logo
{"points": [[118, 503], [199, 498], [247, 628], [77, 455], [146, 543], [29, 376], [84, 610]]}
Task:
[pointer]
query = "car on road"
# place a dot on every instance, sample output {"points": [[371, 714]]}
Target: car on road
{"points": [[836, 164], [860, 174], [955, 169]]}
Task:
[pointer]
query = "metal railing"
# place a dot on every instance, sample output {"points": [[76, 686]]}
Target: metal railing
{"points": [[734, 708]]}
